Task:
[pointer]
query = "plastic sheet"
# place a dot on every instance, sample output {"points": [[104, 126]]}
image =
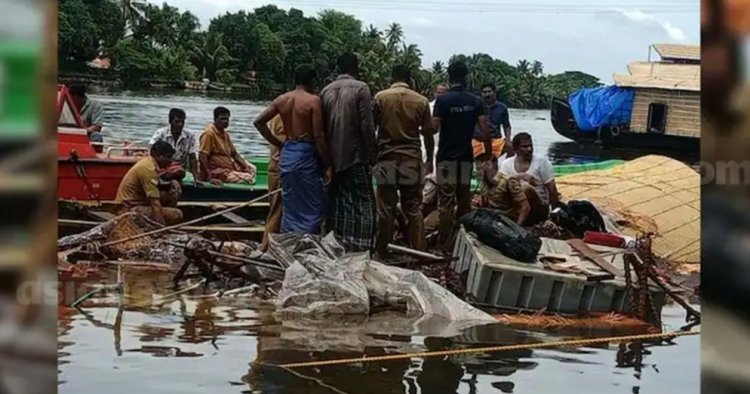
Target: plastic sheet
{"points": [[322, 280], [605, 106]]}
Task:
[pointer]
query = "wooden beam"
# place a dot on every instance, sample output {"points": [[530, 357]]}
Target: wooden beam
{"points": [[218, 229], [594, 256]]}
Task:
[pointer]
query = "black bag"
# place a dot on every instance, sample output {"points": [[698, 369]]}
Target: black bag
{"points": [[502, 233], [578, 217]]}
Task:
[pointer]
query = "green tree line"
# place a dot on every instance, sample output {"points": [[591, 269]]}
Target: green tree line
{"points": [[262, 48]]}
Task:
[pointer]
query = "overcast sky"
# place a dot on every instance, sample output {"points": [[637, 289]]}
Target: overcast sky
{"points": [[597, 37]]}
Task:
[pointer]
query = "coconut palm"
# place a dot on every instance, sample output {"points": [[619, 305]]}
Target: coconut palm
{"points": [[210, 56], [393, 35], [134, 12]]}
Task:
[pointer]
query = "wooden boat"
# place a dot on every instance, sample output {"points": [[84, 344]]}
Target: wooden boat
{"points": [[663, 113]]}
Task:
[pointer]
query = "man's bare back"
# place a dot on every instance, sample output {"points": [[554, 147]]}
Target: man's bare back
{"points": [[297, 109]]}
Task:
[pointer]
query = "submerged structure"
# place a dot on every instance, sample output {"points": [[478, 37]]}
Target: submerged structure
{"points": [[655, 106]]}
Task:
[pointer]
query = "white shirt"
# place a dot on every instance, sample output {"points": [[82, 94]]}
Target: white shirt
{"points": [[540, 168], [185, 146]]}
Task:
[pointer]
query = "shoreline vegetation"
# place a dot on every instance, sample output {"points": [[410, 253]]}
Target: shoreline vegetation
{"points": [[134, 44]]}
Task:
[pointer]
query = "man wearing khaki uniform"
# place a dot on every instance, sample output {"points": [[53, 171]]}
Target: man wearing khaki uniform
{"points": [[401, 115]]}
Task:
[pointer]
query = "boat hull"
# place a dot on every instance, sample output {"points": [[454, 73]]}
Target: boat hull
{"points": [[618, 136]]}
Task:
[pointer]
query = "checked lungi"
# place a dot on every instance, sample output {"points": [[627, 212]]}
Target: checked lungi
{"points": [[352, 215]]}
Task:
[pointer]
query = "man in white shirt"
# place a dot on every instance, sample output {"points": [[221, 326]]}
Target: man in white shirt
{"points": [[183, 143], [533, 170]]}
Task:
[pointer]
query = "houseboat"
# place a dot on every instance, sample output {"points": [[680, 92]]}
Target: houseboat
{"points": [[655, 106]]}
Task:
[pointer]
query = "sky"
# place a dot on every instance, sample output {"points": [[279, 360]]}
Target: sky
{"points": [[596, 37]]}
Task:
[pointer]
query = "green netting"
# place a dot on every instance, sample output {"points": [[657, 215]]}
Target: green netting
{"points": [[261, 182]]}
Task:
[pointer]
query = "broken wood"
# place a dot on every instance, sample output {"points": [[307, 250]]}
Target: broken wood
{"points": [[637, 262], [418, 253], [238, 259], [594, 256], [217, 229], [194, 221]]}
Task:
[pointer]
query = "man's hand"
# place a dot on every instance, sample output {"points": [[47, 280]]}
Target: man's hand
{"points": [[508, 149], [529, 179], [328, 176]]}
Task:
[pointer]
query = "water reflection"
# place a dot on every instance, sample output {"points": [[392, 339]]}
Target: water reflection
{"points": [[589, 152], [231, 345]]}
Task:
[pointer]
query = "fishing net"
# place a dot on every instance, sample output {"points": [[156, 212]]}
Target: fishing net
{"points": [[549, 322]]}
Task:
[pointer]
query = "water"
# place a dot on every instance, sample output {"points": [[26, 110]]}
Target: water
{"points": [[216, 346], [135, 116], [208, 345]]}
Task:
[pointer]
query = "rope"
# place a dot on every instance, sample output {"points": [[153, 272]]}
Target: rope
{"points": [[443, 353]]}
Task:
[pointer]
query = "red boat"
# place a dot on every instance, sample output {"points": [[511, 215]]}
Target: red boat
{"points": [[86, 170]]}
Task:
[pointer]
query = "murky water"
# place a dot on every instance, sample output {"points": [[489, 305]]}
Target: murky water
{"points": [[221, 346], [135, 116]]}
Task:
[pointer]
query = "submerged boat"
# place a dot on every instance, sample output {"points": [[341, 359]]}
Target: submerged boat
{"points": [[656, 106]]}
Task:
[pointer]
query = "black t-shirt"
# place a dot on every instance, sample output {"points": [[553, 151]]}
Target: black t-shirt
{"points": [[459, 111]]}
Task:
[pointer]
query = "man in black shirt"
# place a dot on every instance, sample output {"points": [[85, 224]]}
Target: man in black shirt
{"points": [[456, 115]]}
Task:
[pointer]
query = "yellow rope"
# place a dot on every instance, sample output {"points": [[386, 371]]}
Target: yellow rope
{"points": [[576, 342]]}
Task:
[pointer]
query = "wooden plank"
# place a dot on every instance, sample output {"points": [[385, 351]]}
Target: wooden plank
{"points": [[209, 204], [101, 215], [594, 256], [254, 229], [235, 218]]}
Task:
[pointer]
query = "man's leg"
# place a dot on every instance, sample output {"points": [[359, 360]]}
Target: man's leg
{"points": [[171, 215], [411, 205], [539, 212], [273, 221], [463, 189], [447, 175], [387, 198]]}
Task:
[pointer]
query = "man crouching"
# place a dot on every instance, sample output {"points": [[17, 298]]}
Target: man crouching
{"points": [[139, 189]]}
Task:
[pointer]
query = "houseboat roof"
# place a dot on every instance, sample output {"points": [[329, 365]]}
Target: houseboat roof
{"points": [[678, 51], [661, 75]]}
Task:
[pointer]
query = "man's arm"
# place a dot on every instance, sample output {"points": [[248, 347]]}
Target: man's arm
{"points": [[150, 185], [261, 124], [428, 133], [367, 125], [97, 118], [519, 197], [158, 216], [204, 164], [547, 175], [320, 138], [506, 124], [484, 128]]}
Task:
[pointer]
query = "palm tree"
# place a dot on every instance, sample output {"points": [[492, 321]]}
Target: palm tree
{"points": [[523, 67], [536, 68], [438, 67], [210, 56], [394, 34], [134, 12]]}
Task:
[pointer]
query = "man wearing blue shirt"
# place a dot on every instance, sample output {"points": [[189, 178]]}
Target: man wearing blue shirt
{"points": [[457, 113], [499, 121]]}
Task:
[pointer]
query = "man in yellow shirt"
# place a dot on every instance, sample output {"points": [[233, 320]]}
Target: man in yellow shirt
{"points": [[219, 157], [139, 188]]}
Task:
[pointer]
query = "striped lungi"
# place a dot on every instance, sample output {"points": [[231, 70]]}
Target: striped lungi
{"points": [[352, 215]]}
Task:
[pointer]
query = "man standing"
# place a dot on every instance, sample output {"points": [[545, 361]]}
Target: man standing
{"points": [[347, 111], [533, 170], [219, 158], [498, 116], [303, 156], [183, 143], [273, 220], [91, 111], [456, 115], [401, 115], [440, 90], [139, 188]]}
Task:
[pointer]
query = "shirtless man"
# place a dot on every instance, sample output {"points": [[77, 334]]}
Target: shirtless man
{"points": [[303, 154]]}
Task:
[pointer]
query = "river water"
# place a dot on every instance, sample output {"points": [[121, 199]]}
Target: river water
{"points": [[134, 116], [208, 345]]}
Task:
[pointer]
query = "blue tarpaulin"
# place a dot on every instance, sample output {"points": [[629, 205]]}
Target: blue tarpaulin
{"points": [[605, 106], [303, 195]]}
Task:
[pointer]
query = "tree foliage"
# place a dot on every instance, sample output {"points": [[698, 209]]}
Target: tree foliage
{"points": [[147, 41]]}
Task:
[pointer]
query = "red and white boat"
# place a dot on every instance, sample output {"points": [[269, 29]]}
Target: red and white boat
{"points": [[83, 171]]}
